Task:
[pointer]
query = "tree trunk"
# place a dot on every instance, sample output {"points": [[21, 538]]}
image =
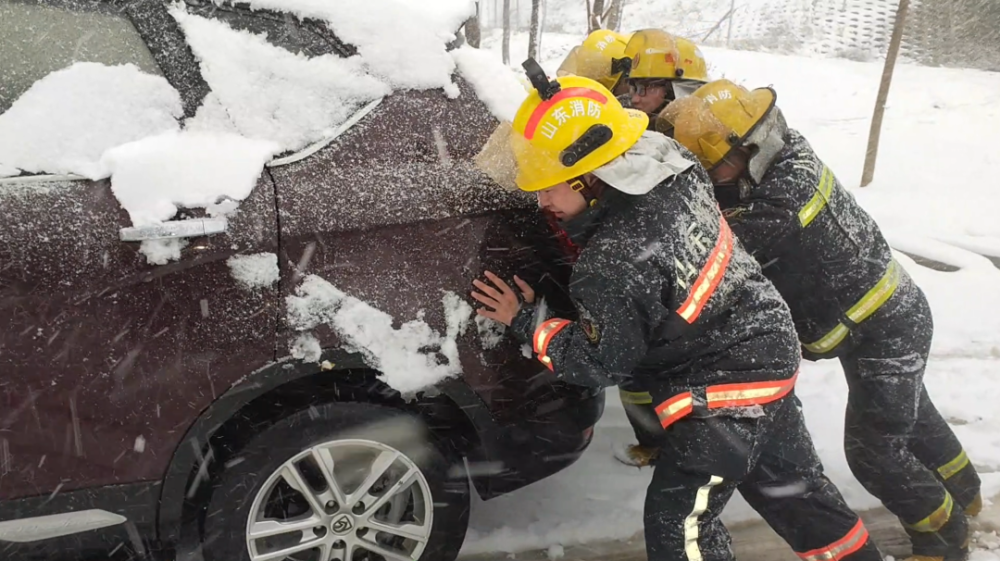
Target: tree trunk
{"points": [[541, 25], [614, 20], [729, 32], [596, 13], [533, 30], [506, 32], [473, 31], [883, 94]]}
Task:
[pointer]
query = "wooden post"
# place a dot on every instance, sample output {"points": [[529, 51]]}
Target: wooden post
{"points": [[871, 153]]}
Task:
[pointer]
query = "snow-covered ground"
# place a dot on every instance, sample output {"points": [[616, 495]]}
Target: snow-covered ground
{"points": [[934, 194]]}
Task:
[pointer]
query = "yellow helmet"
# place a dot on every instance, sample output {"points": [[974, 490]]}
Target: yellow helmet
{"points": [[658, 54], [595, 58], [718, 117], [571, 132]]}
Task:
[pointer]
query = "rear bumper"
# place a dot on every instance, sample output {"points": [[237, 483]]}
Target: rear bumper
{"points": [[531, 449]]}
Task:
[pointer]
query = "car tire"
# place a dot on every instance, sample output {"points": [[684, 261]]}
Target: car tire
{"points": [[258, 481]]}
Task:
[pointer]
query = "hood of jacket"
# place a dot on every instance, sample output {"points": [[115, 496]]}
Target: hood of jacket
{"points": [[649, 162]]}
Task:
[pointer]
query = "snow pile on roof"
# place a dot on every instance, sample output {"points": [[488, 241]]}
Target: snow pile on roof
{"points": [[495, 83], [66, 120], [402, 42], [399, 354], [154, 176], [271, 93], [259, 270]]}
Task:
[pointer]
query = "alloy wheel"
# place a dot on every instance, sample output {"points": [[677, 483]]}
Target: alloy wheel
{"points": [[343, 500]]}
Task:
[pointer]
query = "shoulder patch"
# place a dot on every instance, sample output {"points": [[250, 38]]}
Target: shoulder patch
{"points": [[587, 323]]}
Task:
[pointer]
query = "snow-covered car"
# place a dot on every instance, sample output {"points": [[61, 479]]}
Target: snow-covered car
{"points": [[235, 258]]}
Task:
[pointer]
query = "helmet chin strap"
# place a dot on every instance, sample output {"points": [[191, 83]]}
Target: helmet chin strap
{"points": [[591, 192]]}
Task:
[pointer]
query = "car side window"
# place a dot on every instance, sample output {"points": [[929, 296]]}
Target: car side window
{"points": [[40, 39], [305, 37]]}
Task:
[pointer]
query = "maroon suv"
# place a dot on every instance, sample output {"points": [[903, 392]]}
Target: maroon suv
{"points": [[157, 407]]}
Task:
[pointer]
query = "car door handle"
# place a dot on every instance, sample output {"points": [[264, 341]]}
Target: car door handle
{"points": [[192, 228]]}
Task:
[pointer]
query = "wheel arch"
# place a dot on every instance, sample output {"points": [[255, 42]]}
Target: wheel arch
{"points": [[452, 407]]}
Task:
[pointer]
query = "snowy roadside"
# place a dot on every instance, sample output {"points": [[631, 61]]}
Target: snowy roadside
{"points": [[931, 200], [755, 541]]}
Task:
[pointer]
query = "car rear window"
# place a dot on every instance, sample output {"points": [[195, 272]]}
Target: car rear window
{"points": [[37, 40]]}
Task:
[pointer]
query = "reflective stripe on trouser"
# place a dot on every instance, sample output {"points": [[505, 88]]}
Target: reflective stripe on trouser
{"points": [[771, 460], [862, 310], [961, 480], [853, 541], [725, 395], [691, 547], [790, 492], [937, 519], [957, 464], [681, 517]]}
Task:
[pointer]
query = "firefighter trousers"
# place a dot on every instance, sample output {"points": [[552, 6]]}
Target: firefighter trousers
{"points": [[896, 442], [766, 454]]}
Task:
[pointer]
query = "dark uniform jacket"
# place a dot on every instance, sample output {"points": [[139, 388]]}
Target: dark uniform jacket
{"points": [[665, 294], [822, 251]]}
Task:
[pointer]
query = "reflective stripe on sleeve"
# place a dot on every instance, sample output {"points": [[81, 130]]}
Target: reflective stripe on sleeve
{"points": [[852, 542], [711, 275], [674, 409], [819, 199], [543, 336], [635, 398]]}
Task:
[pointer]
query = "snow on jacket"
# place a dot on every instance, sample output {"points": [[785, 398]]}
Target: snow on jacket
{"points": [[663, 291], [822, 251]]}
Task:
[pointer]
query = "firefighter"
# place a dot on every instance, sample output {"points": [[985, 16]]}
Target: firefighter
{"points": [[664, 294], [663, 67], [849, 299], [600, 57]]}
